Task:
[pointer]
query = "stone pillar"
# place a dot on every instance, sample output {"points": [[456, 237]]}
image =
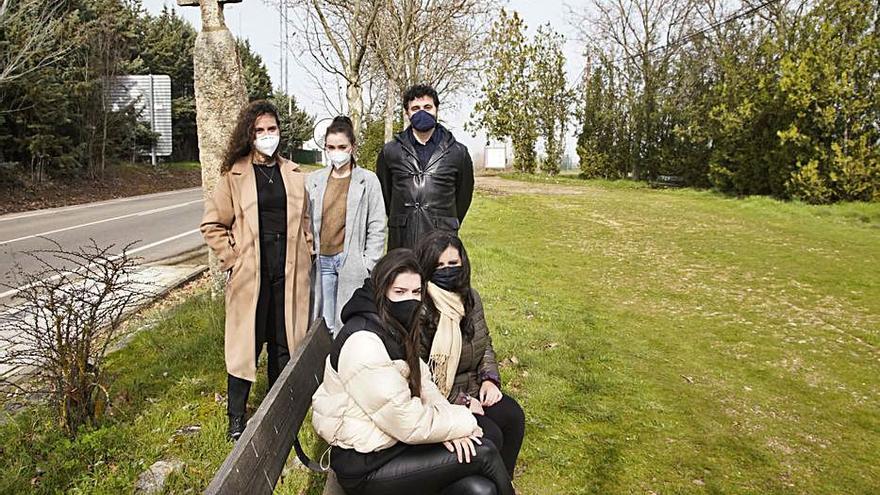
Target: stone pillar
{"points": [[220, 95]]}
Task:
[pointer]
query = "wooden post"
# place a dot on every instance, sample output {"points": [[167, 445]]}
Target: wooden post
{"points": [[220, 95]]}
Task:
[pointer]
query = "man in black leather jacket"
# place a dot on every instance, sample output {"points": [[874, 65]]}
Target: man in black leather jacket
{"points": [[427, 176]]}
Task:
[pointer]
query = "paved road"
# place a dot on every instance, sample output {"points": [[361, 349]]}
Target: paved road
{"points": [[164, 224]]}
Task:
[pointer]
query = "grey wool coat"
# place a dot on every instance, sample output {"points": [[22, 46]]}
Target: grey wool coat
{"points": [[364, 233]]}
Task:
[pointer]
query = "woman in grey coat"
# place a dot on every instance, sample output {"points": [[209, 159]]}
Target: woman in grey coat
{"points": [[348, 215]]}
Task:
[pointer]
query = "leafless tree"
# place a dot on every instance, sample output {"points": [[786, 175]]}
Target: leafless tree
{"points": [[33, 47], [70, 314], [436, 42], [377, 48], [335, 34], [104, 52]]}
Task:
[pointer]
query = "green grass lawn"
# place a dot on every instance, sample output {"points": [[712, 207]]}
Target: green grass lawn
{"points": [[664, 342]]}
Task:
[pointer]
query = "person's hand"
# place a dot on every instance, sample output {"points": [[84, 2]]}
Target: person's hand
{"points": [[490, 394], [463, 447], [476, 407], [478, 432]]}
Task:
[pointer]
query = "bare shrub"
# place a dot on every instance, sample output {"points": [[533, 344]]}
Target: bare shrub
{"points": [[68, 315]]}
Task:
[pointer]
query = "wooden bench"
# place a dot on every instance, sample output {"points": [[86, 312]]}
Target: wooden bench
{"points": [[668, 181], [255, 463]]}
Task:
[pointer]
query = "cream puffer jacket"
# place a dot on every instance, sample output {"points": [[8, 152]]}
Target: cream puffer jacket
{"points": [[367, 406]]}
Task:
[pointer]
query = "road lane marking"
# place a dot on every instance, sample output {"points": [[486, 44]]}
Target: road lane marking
{"points": [[63, 209], [96, 222], [12, 292], [159, 243]]}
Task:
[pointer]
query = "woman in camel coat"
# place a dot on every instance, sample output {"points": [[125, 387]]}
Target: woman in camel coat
{"points": [[257, 224]]}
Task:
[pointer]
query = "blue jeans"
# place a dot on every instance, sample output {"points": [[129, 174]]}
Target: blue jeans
{"points": [[330, 266]]}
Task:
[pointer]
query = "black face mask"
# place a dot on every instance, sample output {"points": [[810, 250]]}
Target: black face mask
{"points": [[423, 121], [447, 278], [405, 311]]}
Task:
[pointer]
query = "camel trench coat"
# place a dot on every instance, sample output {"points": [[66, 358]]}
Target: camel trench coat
{"points": [[230, 227]]}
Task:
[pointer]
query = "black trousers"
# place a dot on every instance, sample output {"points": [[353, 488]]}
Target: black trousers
{"points": [[269, 325], [431, 469], [505, 424]]}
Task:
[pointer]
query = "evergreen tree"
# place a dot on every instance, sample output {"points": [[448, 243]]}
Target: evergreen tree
{"points": [[551, 99], [256, 76], [373, 141], [830, 84], [784, 103], [596, 141], [166, 48], [296, 125], [505, 105], [58, 119]]}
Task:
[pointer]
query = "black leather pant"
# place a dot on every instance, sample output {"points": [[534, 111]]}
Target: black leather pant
{"points": [[505, 424], [269, 323], [431, 469]]}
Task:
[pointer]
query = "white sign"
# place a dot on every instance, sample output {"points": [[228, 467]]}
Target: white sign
{"points": [[151, 97], [496, 157]]}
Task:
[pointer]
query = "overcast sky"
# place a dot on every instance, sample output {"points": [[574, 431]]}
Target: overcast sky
{"points": [[257, 21]]}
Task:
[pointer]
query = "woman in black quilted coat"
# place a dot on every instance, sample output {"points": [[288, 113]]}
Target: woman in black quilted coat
{"points": [[457, 346]]}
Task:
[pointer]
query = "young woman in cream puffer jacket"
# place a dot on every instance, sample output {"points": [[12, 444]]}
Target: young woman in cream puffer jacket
{"points": [[349, 413], [391, 432]]}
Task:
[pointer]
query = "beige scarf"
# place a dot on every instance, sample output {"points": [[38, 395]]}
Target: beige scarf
{"points": [[446, 347]]}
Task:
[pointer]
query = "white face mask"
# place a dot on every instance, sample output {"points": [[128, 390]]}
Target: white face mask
{"points": [[338, 158], [267, 144]]}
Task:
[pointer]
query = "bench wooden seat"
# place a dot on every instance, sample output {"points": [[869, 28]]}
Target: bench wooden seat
{"points": [[668, 181]]}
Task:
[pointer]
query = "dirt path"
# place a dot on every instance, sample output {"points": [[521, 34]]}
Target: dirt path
{"points": [[498, 186]]}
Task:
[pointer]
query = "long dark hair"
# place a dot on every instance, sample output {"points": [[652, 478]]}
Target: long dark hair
{"points": [[342, 125], [428, 253], [396, 262], [240, 142]]}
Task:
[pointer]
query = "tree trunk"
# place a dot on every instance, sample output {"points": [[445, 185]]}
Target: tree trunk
{"points": [[390, 105], [354, 96], [551, 167], [524, 155], [104, 123], [220, 95]]}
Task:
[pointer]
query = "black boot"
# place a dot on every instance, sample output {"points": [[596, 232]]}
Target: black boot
{"points": [[236, 427]]}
